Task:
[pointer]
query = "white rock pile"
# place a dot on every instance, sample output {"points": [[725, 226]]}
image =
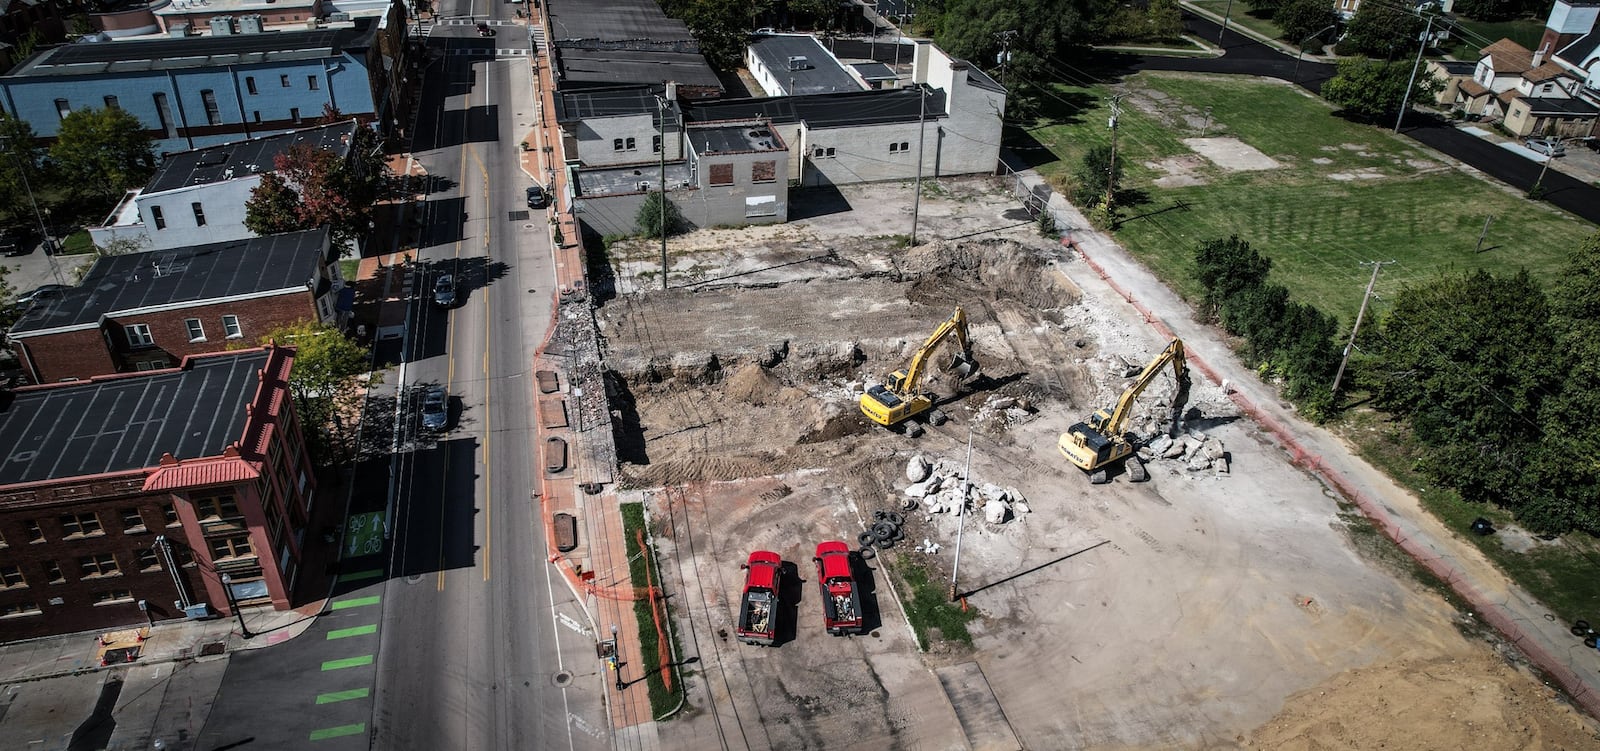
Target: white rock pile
{"points": [[1010, 409], [1196, 452], [937, 487]]}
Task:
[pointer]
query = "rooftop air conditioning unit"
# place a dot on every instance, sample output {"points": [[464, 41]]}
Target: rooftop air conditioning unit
{"points": [[221, 26], [644, 186], [798, 62], [250, 24], [178, 30]]}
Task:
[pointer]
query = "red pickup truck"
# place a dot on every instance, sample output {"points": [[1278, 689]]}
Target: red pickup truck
{"points": [[841, 602], [758, 608]]}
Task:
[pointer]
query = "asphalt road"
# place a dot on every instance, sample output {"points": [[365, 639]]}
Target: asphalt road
{"points": [[1246, 56]]}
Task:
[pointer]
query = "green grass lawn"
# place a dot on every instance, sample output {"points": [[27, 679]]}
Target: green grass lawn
{"points": [[1475, 35], [77, 243], [1240, 15], [348, 268], [1343, 193]]}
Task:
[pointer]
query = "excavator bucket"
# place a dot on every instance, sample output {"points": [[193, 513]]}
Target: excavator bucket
{"points": [[964, 366]]}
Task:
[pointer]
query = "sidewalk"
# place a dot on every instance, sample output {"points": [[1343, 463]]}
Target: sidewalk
{"points": [[1106, 268]]}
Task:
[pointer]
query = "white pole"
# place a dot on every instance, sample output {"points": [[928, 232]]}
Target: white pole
{"points": [[961, 514]]}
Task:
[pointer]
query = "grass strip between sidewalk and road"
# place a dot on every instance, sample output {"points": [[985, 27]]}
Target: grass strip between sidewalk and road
{"points": [[642, 570]]}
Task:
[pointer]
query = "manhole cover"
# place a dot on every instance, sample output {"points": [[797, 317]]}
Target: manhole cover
{"points": [[214, 648], [562, 679], [518, 216], [529, 225], [414, 578]]}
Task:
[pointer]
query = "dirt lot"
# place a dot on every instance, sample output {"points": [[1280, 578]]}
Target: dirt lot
{"points": [[1237, 609]]}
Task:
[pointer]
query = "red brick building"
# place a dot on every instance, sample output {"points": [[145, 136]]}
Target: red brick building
{"points": [[146, 311], [147, 488]]}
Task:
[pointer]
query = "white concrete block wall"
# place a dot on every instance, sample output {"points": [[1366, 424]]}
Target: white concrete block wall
{"points": [[596, 139]]}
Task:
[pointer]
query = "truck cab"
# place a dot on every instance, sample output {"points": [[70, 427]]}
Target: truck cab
{"points": [[841, 600], [758, 607]]}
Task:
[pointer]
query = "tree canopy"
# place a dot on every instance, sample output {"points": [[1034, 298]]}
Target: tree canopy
{"points": [[102, 152], [1095, 173], [326, 386], [22, 152], [1300, 19], [316, 187], [649, 217], [1367, 89], [1383, 31]]}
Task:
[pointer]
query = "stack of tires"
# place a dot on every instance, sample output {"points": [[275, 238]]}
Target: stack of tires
{"points": [[885, 532]]}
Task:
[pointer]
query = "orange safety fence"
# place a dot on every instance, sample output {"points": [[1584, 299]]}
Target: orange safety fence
{"points": [[655, 614], [1491, 612]]}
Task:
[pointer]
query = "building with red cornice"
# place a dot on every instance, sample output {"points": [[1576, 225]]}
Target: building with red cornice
{"points": [[136, 493]]}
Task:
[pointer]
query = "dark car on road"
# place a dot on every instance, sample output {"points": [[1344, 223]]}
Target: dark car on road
{"points": [[435, 408], [444, 291], [484, 30], [537, 197]]}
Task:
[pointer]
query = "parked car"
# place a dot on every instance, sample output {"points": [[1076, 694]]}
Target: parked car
{"points": [[1548, 146], [444, 291], [537, 197], [435, 408], [484, 30]]}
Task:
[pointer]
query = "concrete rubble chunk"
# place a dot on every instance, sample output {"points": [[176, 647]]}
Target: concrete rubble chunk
{"points": [[1017, 414], [1161, 444], [918, 468], [1000, 403], [1220, 464], [855, 388], [1211, 449], [917, 490], [935, 482], [996, 513], [1177, 449], [1021, 507], [1198, 462]]}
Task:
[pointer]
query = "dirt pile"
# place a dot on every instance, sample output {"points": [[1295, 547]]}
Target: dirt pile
{"points": [[1421, 704], [989, 270], [756, 386]]}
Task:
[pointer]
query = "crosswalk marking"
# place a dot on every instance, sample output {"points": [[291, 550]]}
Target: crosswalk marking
{"points": [[345, 633], [338, 732], [348, 662], [338, 696]]}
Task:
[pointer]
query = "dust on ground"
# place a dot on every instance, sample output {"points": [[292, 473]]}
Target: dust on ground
{"points": [[1193, 611]]}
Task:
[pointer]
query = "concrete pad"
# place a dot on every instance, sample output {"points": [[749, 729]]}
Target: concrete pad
{"points": [[1231, 154]]}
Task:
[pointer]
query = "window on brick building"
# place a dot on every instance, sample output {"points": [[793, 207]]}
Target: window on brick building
{"points": [[132, 520], [294, 115], [63, 108], [52, 573], [219, 506], [197, 332], [230, 326], [235, 546], [655, 144], [11, 577], [284, 79], [157, 217], [80, 525], [312, 83], [112, 596], [169, 512], [139, 335], [99, 564], [13, 609], [148, 560], [721, 174], [250, 85], [763, 172], [35, 533], [199, 214]]}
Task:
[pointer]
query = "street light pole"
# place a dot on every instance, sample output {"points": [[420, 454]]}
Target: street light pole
{"points": [[44, 231], [1226, 14], [227, 593], [1297, 58], [1405, 101]]}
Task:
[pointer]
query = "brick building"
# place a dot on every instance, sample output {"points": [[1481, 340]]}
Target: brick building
{"points": [[146, 311], [148, 488]]}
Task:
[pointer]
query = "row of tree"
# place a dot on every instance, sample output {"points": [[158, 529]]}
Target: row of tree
{"points": [[97, 154], [1499, 379], [1286, 339]]}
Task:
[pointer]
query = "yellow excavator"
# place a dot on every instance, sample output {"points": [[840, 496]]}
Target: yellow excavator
{"points": [[901, 398], [1099, 442]]}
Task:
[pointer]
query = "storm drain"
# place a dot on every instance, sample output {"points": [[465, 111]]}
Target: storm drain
{"points": [[214, 648], [561, 679], [517, 216]]}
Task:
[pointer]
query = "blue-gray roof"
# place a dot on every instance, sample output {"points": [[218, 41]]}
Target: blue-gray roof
{"points": [[101, 58], [183, 275], [123, 424], [241, 158]]}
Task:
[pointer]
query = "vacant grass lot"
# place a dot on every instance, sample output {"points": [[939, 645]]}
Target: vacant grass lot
{"points": [[1241, 15], [1342, 193]]}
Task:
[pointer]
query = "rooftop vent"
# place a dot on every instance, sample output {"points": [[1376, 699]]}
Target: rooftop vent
{"points": [[798, 62], [178, 30], [250, 24], [221, 26]]}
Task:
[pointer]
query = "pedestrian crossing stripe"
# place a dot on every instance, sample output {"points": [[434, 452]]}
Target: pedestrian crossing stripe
{"points": [[338, 696], [339, 732], [356, 576], [356, 602], [345, 633], [348, 662]]}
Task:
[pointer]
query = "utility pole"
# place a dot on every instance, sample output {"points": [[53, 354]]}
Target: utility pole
{"points": [[1005, 52], [1226, 14], [1405, 101], [661, 101], [1111, 168], [1555, 148], [922, 136], [1376, 266]]}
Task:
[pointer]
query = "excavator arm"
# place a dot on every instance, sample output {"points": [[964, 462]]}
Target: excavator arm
{"points": [[1101, 440], [901, 398], [1116, 423], [964, 364]]}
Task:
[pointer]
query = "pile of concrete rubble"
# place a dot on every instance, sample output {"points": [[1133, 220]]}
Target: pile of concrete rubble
{"points": [[938, 487], [1196, 452]]}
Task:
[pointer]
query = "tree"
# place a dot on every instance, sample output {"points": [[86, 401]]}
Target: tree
{"points": [[316, 187], [1046, 29], [721, 27], [102, 152], [649, 217], [1564, 471], [327, 386], [1094, 174], [1382, 31], [1367, 89], [1300, 19], [22, 152], [1467, 359], [1227, 268]]}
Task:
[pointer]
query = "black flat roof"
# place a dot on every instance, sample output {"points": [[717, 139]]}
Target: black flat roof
{"points": [[1559, 106], [98, 58], [734, 138], [614, 20], [581, 104], [243, 158], [182, 275], [825, 110], [580, 64], [820, 74], [127, 423]]}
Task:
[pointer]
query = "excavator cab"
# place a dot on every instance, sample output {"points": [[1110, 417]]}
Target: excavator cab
{"points": [[1100, 441], [901, 397]]}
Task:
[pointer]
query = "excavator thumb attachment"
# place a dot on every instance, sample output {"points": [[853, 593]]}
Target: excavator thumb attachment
{"points": [[964, 366]]}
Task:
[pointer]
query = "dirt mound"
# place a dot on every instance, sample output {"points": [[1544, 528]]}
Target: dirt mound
{"points": [[753, 385], [989, 269], [1441, 703]]}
